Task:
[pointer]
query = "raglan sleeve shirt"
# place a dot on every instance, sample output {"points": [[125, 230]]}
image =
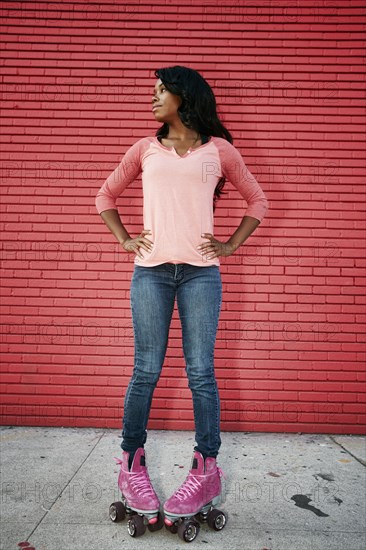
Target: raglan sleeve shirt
{"points": [[126, 172], [178, 193], [236, 171]]}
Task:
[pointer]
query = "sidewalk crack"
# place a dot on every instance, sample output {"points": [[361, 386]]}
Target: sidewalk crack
{"points": [[347, 451], [47, 510]]}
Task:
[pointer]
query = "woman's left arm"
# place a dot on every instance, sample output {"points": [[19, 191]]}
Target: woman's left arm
{"points": [[246, 228], [234, 168], [216, 248]]}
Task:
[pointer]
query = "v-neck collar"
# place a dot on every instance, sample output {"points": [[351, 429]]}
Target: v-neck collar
{"points": [[204, 138]]}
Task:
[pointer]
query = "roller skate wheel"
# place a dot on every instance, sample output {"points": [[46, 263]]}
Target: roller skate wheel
{"points": [[117, 511], [136, 526], [158, 523], [173, 528], [188, 530], [216, 520]]}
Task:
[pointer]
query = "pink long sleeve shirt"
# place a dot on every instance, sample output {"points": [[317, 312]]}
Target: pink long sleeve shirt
{"points": [[178, 195]]}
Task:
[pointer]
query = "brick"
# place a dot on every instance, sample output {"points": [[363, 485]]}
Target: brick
{"points": [[302, 285]]}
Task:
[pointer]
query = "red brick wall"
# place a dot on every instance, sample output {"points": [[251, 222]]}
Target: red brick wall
{"points": [[76, 90]]}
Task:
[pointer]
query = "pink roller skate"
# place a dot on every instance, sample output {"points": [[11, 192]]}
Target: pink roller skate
{"points": [[139, 500], [197, 496]]}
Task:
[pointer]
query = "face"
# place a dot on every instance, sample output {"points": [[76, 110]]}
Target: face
{"points": [[166, 103]]}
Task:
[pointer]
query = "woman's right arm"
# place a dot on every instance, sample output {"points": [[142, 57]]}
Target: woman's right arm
{"points": [[113, 221], [105, 201], [124, 174]]}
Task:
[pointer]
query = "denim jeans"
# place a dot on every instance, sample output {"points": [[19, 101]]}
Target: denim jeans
{"points": [[152, 296]]}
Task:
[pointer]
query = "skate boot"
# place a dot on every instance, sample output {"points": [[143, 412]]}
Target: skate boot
{"points": [[139, 500], [197, 496]]}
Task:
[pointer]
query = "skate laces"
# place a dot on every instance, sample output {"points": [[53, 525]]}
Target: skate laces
{"points": [[221, 473], [188, 488], [141, 483], [192, 485]]}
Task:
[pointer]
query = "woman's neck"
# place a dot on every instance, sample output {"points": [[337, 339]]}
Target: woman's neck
{"points": [[180, 133]]}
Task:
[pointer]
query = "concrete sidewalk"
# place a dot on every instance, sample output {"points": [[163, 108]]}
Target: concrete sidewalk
{"points": [[281, 492]]}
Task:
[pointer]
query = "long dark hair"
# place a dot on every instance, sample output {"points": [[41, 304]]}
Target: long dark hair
{"points": [[198, 107]]}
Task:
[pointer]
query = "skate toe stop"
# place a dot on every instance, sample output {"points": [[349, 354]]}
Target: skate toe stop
{"points": [[168, 522], [153, 520]]}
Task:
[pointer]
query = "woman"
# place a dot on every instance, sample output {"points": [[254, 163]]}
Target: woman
{"points": [[184, 167]]}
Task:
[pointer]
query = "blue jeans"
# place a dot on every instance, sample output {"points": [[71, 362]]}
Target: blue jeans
{"points": [[152, 295]]}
